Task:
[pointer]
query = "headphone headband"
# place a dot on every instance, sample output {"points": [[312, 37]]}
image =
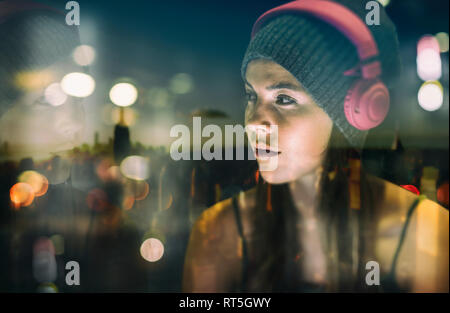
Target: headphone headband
{"points": [[340, 17]]}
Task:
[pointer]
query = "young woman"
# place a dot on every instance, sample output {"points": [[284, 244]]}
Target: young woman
{"points": [[319, 222]]}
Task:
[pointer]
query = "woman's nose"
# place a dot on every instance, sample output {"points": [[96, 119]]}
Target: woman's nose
{"points": [[260, 117], [261, 125]]}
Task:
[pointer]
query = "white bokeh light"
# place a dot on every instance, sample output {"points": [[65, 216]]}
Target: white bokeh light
{"points": [[55, 95], [152, 250], [429, 65], [84, 55], [427, 42], [181, 83], [135, 167], [430, 96], [123, 94], [78, 85]]}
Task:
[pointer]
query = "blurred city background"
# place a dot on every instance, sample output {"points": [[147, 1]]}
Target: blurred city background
{"points": [[126, 211]]}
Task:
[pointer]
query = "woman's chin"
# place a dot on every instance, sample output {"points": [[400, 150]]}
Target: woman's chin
{"points": [[275, 177]]}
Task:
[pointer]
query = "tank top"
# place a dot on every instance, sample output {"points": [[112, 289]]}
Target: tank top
{"points": [[388, 282]]}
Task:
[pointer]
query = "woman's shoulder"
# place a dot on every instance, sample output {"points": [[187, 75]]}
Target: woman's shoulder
{"points": [[214, 218], [217, 227], [392, 205], [222, 215], [214, 251], [388, 195], [424, 253], [392, 199]]}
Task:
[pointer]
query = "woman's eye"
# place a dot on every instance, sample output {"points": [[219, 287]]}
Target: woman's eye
{"points": [[285, 100]]}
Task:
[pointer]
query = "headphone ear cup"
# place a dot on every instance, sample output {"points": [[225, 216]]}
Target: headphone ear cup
{"points": [[366, 104]]}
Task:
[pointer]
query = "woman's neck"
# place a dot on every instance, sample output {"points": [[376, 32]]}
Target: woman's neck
{"points": [[305, 191], [305, 195]]}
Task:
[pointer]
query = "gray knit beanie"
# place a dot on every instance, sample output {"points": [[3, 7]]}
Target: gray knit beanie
{"points": [[317, 54], [31, 40]]}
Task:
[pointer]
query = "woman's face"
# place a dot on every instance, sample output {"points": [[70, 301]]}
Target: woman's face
{"points": [[275, 97], [35, 128]]}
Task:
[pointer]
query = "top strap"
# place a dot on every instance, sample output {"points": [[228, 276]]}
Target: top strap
{"points": [[403, 234], [244, 245]]}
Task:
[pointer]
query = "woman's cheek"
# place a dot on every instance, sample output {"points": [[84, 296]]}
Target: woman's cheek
{"points": [[307, 136]]}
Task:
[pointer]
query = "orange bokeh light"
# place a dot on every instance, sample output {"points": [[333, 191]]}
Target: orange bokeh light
{"points": [[21, 194], [37, 181], [169, 202], [128, 202], [104, 171], [140, 189], [442, 194]]}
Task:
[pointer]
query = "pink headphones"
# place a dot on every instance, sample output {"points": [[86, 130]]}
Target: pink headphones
{"points": [[367, 102]]}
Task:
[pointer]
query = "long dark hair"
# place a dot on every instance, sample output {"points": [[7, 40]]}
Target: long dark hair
{"points": [[347, 233]]}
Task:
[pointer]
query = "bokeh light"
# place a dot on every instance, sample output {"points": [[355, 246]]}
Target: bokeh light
{"points": [[43, 244], [429, 65], [123, 94], [431, 96], [128, 202], [55, 95], [84, 55], [21, 194], [37, 181], [78, 85], [114, 174], [102, 168], [44, 262], [47, 288], [442, 194], [58, 243], [107, 171], [384, 2], [33, 80], [442, 39], [138, 189], [411, 188], [135, 167], [181, 83], [427, 42], [168, 202], [152, 250], [129, 116]]}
